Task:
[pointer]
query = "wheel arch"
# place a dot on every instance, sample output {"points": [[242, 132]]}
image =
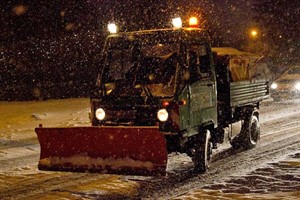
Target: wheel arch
{"points": [[249, 111]]}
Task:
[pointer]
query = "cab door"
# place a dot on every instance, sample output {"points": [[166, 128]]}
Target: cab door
{"points": [[202, 85]]}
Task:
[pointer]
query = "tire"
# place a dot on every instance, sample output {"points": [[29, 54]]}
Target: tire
{"points": [[236, 142], [249, 135], [202, 152], [251, 132]]}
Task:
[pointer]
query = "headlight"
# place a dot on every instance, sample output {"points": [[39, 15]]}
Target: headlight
{"points": [[297, 86], [274, 86], [162, 115], [100, 114]]}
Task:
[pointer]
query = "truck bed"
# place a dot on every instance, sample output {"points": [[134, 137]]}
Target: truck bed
{"points": [[248, 92], [237, 93]]}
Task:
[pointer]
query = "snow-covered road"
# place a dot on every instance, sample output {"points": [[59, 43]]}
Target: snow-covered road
{"points": [[269, 171]]}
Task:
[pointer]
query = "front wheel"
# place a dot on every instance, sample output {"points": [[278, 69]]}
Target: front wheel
{"points": [[202, 152]]}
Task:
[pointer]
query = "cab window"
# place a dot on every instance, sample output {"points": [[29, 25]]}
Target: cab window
{"points": [[198, 61]]}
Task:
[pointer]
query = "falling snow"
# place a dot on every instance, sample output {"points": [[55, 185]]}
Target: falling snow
{"points": [[50, 51]]}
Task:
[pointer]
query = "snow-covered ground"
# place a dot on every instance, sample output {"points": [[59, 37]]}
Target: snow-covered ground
{"points": [[18, 119], [270, 171]]}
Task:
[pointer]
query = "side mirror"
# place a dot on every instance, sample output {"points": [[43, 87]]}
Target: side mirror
{"points": [[98, 80]]}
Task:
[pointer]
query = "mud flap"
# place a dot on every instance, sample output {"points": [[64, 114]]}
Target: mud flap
{"points": [[118, 150]]}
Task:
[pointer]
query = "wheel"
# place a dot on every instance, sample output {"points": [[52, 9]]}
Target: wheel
{"points": [[236, 142], [249, 135], [251, 132], [202, 152]]}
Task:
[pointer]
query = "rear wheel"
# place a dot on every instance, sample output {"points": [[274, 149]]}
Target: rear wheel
{"points": [[251, 131], [249, 135], [202, 152]]}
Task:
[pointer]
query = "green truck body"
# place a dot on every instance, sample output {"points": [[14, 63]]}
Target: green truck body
{"points": [[145, 76]]}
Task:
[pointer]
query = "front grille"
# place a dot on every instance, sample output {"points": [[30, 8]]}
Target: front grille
{"points": [[121, 114], [129, 116]]}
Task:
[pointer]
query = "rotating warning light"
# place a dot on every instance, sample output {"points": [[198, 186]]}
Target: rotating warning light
{"points": [[177, 23], [112, 28], [193, 22]]}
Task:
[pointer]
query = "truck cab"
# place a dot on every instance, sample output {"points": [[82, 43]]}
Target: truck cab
{"points": [[147, 75]]}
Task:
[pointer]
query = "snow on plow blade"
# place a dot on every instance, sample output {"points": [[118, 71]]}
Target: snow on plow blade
{"points": [[119, 150]]}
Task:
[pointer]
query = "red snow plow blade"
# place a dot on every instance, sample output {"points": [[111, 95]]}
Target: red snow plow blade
{"points": [[118, 150]]}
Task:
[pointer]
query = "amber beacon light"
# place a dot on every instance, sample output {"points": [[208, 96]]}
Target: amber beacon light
{"points": [[193, 22]]}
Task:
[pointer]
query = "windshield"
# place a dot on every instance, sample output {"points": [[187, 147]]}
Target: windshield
{"points": [[140, 66]]}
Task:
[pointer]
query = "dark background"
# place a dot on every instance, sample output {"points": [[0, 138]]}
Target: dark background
{"points": [[50, 49]]}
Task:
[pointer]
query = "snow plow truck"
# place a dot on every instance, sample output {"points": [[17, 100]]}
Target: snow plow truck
{"points": [[157, 92]]}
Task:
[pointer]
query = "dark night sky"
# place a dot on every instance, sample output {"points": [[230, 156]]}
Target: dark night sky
{"points": [[52, 39], [30, 16], [229, 20]]}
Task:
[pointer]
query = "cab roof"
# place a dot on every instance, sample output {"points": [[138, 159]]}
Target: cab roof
{"points": [[191, 33]]}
